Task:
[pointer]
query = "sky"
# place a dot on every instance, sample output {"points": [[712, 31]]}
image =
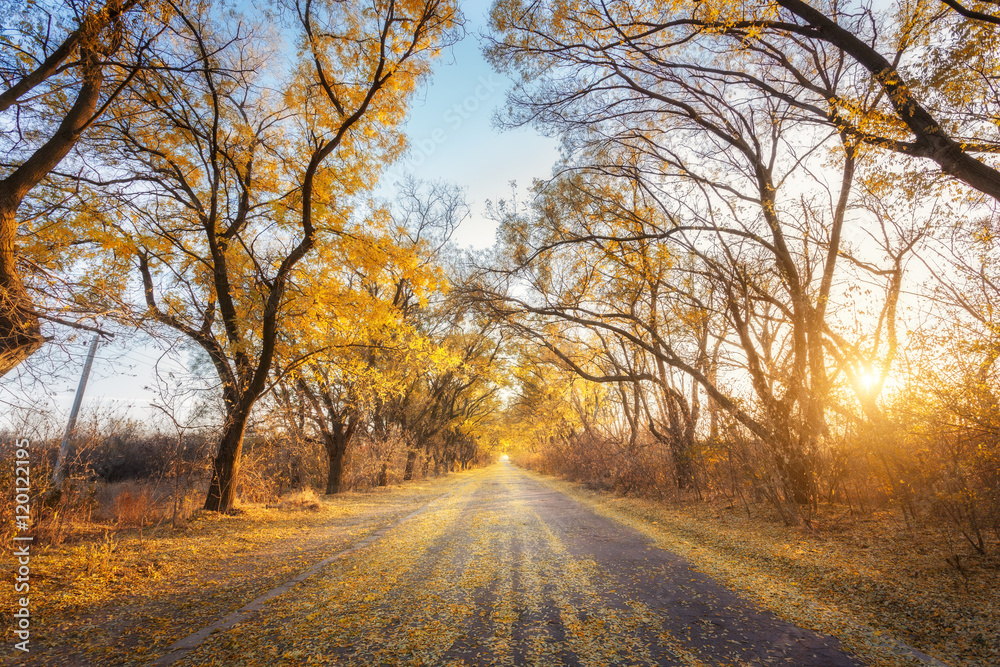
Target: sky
{"points": [[451, 137]]}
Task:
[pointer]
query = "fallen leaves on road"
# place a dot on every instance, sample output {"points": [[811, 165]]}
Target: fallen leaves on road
{"points": [[865, 586], [464, 584], [482, 578]]}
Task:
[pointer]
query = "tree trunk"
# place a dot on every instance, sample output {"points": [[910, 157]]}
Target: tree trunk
{"points": [[683, 468], [226, 466], [336, 447], [795, 468], [20, 332], [383, 475], [411, 458], [798, 480]]}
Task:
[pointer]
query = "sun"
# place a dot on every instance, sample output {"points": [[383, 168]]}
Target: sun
{"points": [[868, 379]]}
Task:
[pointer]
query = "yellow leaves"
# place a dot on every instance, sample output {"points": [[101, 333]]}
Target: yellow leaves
{"points": [[353, 314], [156, 587], [366, 58]]}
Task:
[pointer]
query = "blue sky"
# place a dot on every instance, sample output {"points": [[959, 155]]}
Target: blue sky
{"points": [[451, 138]]}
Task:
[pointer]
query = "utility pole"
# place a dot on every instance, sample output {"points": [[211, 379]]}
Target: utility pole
{"points": [[59, 474]]}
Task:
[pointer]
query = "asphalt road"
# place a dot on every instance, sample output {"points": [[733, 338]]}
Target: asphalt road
{"points": [[506, 571]]}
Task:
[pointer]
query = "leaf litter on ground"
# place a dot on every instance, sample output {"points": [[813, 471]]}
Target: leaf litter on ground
{"points": [[873, 583], [122, 598], [417, 596]]}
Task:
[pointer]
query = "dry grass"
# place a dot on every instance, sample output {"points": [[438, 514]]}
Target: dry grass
{"points": [[865, 581], [132, 504], [305, 499]]}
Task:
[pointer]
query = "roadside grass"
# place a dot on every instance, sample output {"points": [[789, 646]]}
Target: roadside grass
{"points": [[121, 596], [871, 583]]}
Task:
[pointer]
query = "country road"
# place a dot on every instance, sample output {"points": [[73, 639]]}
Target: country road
{"points": [[506, 571]]}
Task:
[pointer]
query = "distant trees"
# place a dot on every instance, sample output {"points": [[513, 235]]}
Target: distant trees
{"points": [[450, 398], [358, 334], [444, 406]]}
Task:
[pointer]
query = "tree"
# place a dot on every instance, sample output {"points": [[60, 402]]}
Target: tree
{"points": [[222, 188], [540, 412], [953, 135], [714, 155], [621, 261], [913, 79], [357, 324], [446, 406], [653, 397], [62, 68]]}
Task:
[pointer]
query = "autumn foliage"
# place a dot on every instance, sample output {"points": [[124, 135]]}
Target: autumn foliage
{"points": [[761, 282], [764, 269], [765, 266]]}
